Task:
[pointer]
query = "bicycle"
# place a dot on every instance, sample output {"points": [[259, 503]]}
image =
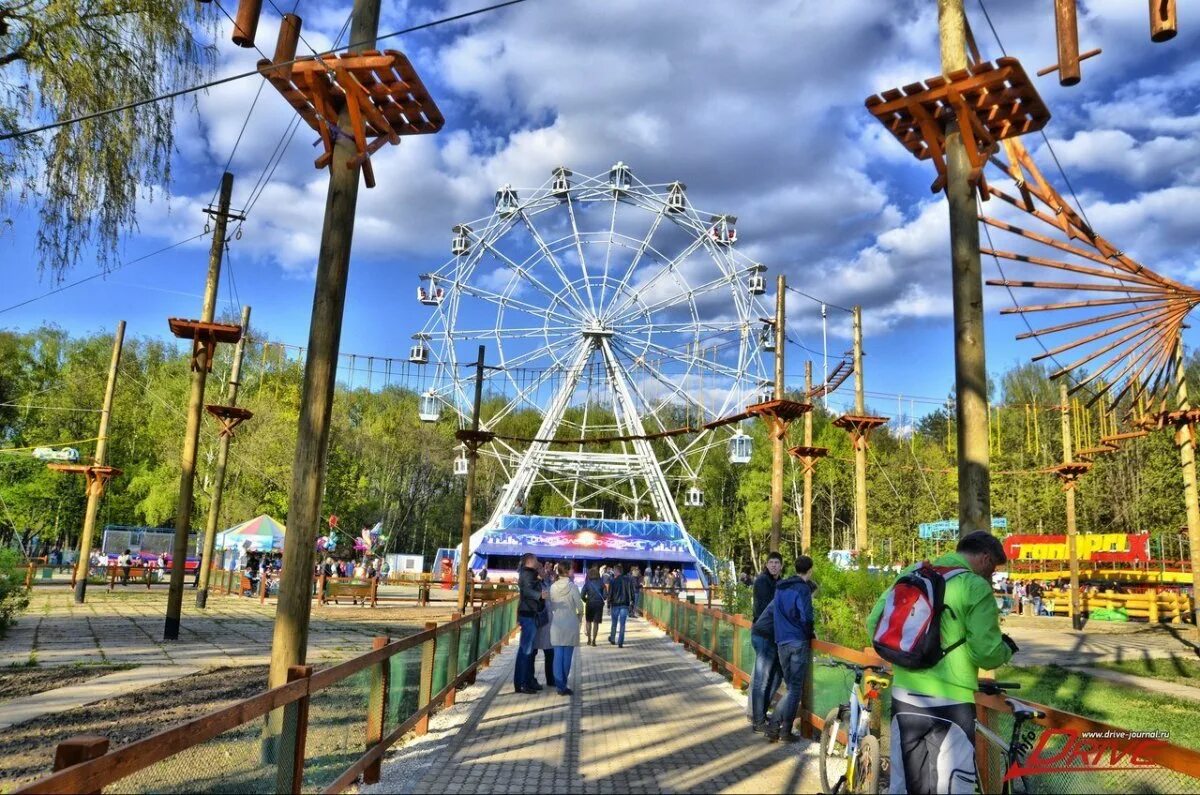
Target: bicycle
{"points": [[1019, 742], [853, 764]]}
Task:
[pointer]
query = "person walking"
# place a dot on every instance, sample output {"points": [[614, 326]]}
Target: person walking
{"points": [[620, 597], [566, 610], [766, 676], [794, 625], [933, 707], [529, 604], [593, 597], [543, 643], [635, 579]]}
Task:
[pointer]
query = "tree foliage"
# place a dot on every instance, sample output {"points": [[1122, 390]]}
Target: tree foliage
{"points": [[61, 59], [385, 465]]}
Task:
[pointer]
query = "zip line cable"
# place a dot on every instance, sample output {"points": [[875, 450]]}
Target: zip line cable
{"points": [[231, 78], [99, 275]]}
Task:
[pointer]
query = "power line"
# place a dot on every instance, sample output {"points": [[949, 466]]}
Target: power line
{"points": [[818, 300], [78, 282], [229, 79]]}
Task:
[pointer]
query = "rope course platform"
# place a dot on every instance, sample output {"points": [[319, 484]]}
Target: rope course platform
{"points": [[204, 337], [994, 101], [95, 476], [384, 97], [808, 456], [229, 416], [778, 414], [859, 427], [1069, 472]]}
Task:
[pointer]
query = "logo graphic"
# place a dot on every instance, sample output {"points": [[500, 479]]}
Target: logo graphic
{"points": [[1072, 751]]}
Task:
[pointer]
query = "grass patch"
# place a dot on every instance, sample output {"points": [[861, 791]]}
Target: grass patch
{"points": [[1071, 690], [1170, 669]]}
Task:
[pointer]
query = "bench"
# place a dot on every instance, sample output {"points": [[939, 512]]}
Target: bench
{"points": [[143, 573], [490, 592], [352, 589]]}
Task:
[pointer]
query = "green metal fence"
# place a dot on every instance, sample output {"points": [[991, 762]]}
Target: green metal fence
{"points": [[723, 639], [320, 732]]}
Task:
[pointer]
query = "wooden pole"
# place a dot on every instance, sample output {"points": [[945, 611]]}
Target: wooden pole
{"points": [[96, 485], [191, 437], [214, 510], [806, 516], [1069, 488], [1185, 438], [860, 441], [464, 567], [970, 367], [290, 639], [1066, 30], [777, 451]]}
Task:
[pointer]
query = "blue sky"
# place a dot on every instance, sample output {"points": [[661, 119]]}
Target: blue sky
{"points": [[758, 108]]}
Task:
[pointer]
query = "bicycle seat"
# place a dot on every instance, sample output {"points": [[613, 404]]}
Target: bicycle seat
{"points": [[1022, 710]]}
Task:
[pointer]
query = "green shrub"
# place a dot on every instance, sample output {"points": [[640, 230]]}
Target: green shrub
{"points": [[843, 601], [14, 596]]}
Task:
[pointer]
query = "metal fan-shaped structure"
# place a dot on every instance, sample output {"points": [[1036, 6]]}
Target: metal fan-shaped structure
{"points": [[616, 315]]}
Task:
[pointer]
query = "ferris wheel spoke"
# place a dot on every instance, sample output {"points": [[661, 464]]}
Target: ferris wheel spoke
{"points": [[522, 272], [655, 414], [508, 302], [523, 394], [555, 265], [690, 294], [713, 366], [636, 260], [587, 281], [668, 267]]}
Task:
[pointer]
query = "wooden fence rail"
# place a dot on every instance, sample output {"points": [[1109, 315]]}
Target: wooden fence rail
{"points": [[75, 772]]}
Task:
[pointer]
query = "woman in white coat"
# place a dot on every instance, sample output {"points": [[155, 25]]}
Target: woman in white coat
{"points": [[566, 612]]}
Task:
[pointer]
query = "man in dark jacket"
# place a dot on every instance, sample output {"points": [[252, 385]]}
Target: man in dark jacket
{"points": [[620, 598], [529, 585], [794, 620], [765, 678]]}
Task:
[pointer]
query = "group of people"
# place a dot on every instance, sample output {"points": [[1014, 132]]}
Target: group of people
{"points": [[933, 699], [365, 569], [552, 610], [670, 580], [1031, 598]]}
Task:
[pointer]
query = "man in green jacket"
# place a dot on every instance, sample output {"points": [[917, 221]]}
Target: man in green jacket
{"points": [[933, 709]]}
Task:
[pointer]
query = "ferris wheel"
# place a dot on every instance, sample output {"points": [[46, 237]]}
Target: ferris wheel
{"points": [[613, 311]]}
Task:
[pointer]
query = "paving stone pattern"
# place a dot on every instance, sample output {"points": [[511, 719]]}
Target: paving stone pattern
{"points": [[645, 718]]}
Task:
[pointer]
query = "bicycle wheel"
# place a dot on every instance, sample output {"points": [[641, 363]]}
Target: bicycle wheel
{"points": [[868, 766], [832, 753]]}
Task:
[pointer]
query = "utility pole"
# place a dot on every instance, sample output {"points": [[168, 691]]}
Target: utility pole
{"points": [[860, 446], [200, 367], [970, 368], [289, 644], [1185, 437], [95, 486], [777, 451], [1069, 488], [806, 517], [472, 444], [214, 510]]}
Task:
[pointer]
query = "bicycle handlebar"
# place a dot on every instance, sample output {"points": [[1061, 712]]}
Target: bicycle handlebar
{"points": [[993, 688]]}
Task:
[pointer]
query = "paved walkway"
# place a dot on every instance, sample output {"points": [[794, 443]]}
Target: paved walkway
{"points": [[645, 718], [1061, 645], [126, 626], [1145, 683]]}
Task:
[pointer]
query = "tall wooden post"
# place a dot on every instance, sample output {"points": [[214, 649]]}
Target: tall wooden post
{"points": [[1185, 437], [860, 447], [214, 510], [290, 639], [806, 515], [96, 485], [777, 451], [191, 437], [1069, 489], [970, 368], [464, 567]]}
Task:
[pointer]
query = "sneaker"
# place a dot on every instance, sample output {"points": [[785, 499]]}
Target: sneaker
{"points": [[760, 727], [789, 737], [527, 691], [536, 686], [772, 733], [620, 645], [611, 640]]}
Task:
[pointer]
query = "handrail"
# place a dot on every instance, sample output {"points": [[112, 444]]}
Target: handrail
{"points": [[1171, 757], [95, 774]]}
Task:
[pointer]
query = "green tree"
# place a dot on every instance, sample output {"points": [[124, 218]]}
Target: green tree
{"points": [[60, 59]]}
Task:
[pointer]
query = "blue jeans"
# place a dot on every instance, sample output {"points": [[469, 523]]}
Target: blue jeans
{"points": [[562, 666], [619, 614], [793, 659], [523, 669], [766, 677]]}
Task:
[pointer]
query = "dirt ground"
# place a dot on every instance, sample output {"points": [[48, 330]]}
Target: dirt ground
{"points": [[27, 750], [17, 682]]}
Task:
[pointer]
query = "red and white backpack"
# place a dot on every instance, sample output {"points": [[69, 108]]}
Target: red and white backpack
{"points": [[909, 633]]}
